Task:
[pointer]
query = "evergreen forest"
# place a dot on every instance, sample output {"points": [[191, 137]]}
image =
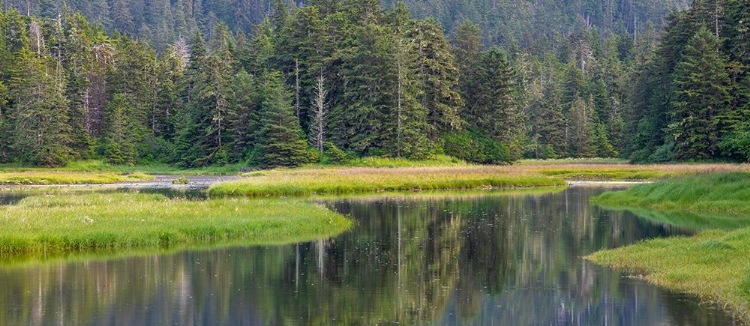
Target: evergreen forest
{"points": [[279, 83]]}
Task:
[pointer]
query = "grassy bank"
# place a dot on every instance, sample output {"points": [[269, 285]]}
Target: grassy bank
{"points": [[718, 193], [61, 177], [301, 182], [713, 265], [118, 221]]}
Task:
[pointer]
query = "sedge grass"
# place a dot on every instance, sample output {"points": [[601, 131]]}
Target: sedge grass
{"points": [[713, 265], [48, 225], [61, 177], [717, 193], [303, 182]]}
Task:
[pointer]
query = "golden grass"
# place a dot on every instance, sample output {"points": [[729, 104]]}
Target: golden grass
{"points": [[301, 182], [61, 177]]}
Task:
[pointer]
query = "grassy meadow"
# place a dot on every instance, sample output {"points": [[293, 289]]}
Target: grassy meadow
{"points": [[343, 180], [66, 223], [713, 264]]}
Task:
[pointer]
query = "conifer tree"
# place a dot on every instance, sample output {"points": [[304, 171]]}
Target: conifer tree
{"points": [[121, 131], [437, 76], [242, 116], [580, 129], [280, 141], [494, 110], [41, 133], [701, 98]]}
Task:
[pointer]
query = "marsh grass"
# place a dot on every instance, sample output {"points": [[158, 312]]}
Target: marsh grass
{"points": [[713, 265], [62, 177], [304, 182], [54, 224], [709, 193]]}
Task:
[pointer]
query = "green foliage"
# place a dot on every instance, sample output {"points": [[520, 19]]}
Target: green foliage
{"points": [[472, 146], [334, 155]]}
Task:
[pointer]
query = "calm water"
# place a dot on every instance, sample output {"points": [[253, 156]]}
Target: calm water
{"points": [[485, 260]]}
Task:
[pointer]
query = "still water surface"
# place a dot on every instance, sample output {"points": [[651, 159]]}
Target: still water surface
{"points": [[464, 260]]}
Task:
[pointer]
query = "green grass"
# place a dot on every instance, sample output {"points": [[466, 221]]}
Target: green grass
{"points": [[61, 177], [304, 182], [595, 160], [713, 265], [717, 193], [382, 162], [57, 224]]}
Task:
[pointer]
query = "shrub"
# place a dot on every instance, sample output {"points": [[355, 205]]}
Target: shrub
{"points": [[472, 146]]}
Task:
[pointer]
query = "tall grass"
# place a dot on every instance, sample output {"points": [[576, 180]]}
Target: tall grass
{"points": [[123, 221], [302, 182], [713, 265]]}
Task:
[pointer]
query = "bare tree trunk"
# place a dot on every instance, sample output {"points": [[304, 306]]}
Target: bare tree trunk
{"points": [[716, 16], [400, 91], [320, 114]]}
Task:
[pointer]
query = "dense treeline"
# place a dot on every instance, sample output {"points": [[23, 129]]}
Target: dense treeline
{"points": [[340, 78], [690, 98], [332, 78]]}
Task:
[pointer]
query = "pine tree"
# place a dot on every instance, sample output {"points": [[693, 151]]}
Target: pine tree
{"points": [[580, 129], [467, 43], [121, 131], [242, 117], [437, 76], [701, 98], [494, 110], [41, 133], [280, 139]]}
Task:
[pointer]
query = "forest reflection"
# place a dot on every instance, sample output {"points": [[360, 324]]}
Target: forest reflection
{"points": [[492, 259]]}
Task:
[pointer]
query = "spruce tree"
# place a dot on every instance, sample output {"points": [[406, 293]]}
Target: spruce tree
{"points": [[242, 116], [494, 110], [280, 141], [120, 138], [701, 98], [437, 76], [41, 133]]}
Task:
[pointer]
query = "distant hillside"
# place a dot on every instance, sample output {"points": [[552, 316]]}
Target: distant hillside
{"points": [[540, 25], [535, 25]]}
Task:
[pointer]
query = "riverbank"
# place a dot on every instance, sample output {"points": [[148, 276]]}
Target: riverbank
{"points": [[714, 264], [75, 223], [68, 178]]}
